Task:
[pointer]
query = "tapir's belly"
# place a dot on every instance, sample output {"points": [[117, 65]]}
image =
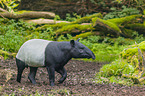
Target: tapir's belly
{"points": [[32, 52]]}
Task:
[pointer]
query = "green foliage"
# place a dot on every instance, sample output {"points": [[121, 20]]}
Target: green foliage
{"points": [[128, 67], [104, 52], [74, 17], [14, 34], [122, 13], [10, 4], [56, 18], [112, 73], [116, 68], [67, 38]]}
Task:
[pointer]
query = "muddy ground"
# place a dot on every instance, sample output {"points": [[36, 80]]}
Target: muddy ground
{"points": [[78, 83]]}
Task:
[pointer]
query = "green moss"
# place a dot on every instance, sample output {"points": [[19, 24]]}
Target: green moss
{"points": [[144, 11], [127, 32], [128, 53], [4, 53], [133, 49], [137, 27], [58, 25], [142, 46], [54, 26], [23, 11], [110, 24], [88, 19], [83, 35], [126, 19], [74, 28], [94, 20]]}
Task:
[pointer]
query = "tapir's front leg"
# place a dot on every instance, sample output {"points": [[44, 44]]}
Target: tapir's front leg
{"points": [[51, 73], [63, 73]]}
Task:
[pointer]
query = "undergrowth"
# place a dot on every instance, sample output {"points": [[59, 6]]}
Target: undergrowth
{"points": [[112, 73], [121, 13], [14, 33]]}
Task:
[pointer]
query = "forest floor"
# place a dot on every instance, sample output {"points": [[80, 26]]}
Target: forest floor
{"points": [[78, 83]]}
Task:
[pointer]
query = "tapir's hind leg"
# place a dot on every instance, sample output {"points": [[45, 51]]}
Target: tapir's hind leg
{"points": [[32, 74], [63, 73], [21, 67]]}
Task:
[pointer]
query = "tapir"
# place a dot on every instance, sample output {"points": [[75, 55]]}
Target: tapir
{"points": [[53, 55]]}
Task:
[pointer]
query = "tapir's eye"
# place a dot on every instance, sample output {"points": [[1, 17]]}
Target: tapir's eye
{"points": [[81, 50]]}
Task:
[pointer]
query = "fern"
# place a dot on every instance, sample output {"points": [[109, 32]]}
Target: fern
{"points": [[121, 13]]}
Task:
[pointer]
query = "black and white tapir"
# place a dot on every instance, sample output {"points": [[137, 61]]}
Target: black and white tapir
{"points": [[50, 54]]}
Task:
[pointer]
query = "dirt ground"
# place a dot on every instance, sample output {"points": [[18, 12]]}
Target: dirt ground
{"points": [[78, 83]]}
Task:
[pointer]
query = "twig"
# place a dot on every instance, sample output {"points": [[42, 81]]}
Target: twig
{"points": [[3, 10], [2, 16]]}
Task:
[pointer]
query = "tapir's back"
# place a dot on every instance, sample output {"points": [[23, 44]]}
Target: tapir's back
{"points": [[32, 52]]}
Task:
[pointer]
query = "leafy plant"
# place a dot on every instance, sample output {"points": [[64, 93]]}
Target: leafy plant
{"points": [[10, 4], [121, 13], [16, 33], [74, 17], [112, 73]]}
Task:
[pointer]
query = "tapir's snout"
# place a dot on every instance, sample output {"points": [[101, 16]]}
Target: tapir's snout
{"points": [[93, 56]]}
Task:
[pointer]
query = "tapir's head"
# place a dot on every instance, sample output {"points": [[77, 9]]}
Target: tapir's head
{"points": [[79, 50]]}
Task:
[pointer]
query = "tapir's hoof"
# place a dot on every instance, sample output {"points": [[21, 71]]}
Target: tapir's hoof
{"points": [[19, 81], [31, 80], [51, 84], [59, 82]]}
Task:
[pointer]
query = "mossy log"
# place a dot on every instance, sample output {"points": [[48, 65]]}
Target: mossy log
{"points": [[125, 20], [88, 19], [140, 28], [114, 27], [74, 28], [28, 15], [83, 35], [106, 27]]}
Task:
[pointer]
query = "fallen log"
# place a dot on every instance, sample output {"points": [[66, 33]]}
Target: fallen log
{"points": [[27, 15], [107, 27], [44, 21]]}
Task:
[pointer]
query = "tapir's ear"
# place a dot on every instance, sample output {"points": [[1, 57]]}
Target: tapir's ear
{"points": [[78, 39], [72, 42]]}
